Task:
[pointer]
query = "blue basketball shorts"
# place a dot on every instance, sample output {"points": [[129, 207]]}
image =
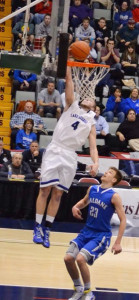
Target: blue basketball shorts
{"points": [[90, 247]]}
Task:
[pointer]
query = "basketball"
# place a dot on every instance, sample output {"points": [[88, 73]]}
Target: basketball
{"points": [[80, 50]]}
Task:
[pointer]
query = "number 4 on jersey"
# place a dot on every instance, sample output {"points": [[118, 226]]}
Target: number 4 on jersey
{"points": [[75, 125]]}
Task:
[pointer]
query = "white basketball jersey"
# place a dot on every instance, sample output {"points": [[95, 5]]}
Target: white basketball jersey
{"points": [[73, 127]]}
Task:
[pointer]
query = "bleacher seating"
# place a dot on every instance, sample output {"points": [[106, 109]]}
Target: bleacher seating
{"points": [[113, 127], [24, 95], [50, 124]]}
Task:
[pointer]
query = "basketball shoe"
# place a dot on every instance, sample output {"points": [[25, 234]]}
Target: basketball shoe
{"points": [[46, 242], [88, 295], [37, 234], [79, 291]]}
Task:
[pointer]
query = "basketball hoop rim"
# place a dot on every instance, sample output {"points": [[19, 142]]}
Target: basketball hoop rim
{"points": [[85, 65]]}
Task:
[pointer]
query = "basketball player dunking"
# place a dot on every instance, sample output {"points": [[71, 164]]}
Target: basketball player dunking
{"points": [[94, 239], [59, 162]]}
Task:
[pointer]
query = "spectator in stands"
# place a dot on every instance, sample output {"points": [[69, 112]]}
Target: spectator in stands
{"points": [[128, 131], [44, 28], [19, 169], [18, 34], [118, 3], [5, 155], [135, 12], [49, 101], [132, 102], [26, 135], [101, 4], [17, 4], [78, 12], [18, 119], [127, 35], [102, 127], [92, 57], [41, 9], [102, 33], [114, 107], [24, 81], [129, 61], [110, 55], [33, 156], [121, 16], [84, 31]]}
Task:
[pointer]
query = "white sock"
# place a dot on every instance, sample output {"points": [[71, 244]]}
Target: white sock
{"points": [[50, 219], [87, 286], [77, 282], [39, 218]]}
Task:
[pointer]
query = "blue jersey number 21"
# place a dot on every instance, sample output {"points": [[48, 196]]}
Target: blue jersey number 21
{"points": [[75, 125]]}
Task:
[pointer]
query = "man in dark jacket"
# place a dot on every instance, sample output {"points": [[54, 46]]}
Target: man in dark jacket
{"points": [[33, 156], [5, 155], [128, 131], [16, 169]]}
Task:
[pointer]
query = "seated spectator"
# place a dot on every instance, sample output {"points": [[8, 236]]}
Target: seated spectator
{"points": [[33, 156], [5, 155], [127, 134], [18, 34], [118, 3], [24, 81], [78, 12], [17, 4], [18, 119], [44, 77], [128, 131], [26, 135], [114, 107], [135, 12], [49, 101], [102, 33], [110, 56], [92, 57], [102, 127], [129, 61], [18, 168], [132, 102], [85, 31], [106, 4], [41, 9], [127, 35], [121, 16], [44, 28]]}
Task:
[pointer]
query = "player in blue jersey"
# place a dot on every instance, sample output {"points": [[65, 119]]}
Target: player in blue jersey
{"points": [[59, 162], [94, 239]]}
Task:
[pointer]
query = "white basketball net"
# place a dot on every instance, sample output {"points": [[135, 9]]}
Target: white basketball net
{"points": [[85, 80]]}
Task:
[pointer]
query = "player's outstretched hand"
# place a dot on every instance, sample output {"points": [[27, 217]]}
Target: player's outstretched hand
{"points": [[77, 213], [93, 169], [116, 249]]}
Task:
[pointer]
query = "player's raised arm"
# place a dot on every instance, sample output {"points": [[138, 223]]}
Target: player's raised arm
{"points": [[117, 202], [93, 151], [69, 91]]}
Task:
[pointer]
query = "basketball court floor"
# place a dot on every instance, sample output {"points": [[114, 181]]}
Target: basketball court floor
{"points": [[29, 271]]}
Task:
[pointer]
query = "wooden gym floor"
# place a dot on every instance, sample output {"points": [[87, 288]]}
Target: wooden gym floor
{"points": [[29, 271]]}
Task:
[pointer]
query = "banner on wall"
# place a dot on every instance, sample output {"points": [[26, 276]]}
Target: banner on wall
{"points": [[130, 199]]}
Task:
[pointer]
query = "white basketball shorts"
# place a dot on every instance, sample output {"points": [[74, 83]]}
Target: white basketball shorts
{"points": [[58, 167]]}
